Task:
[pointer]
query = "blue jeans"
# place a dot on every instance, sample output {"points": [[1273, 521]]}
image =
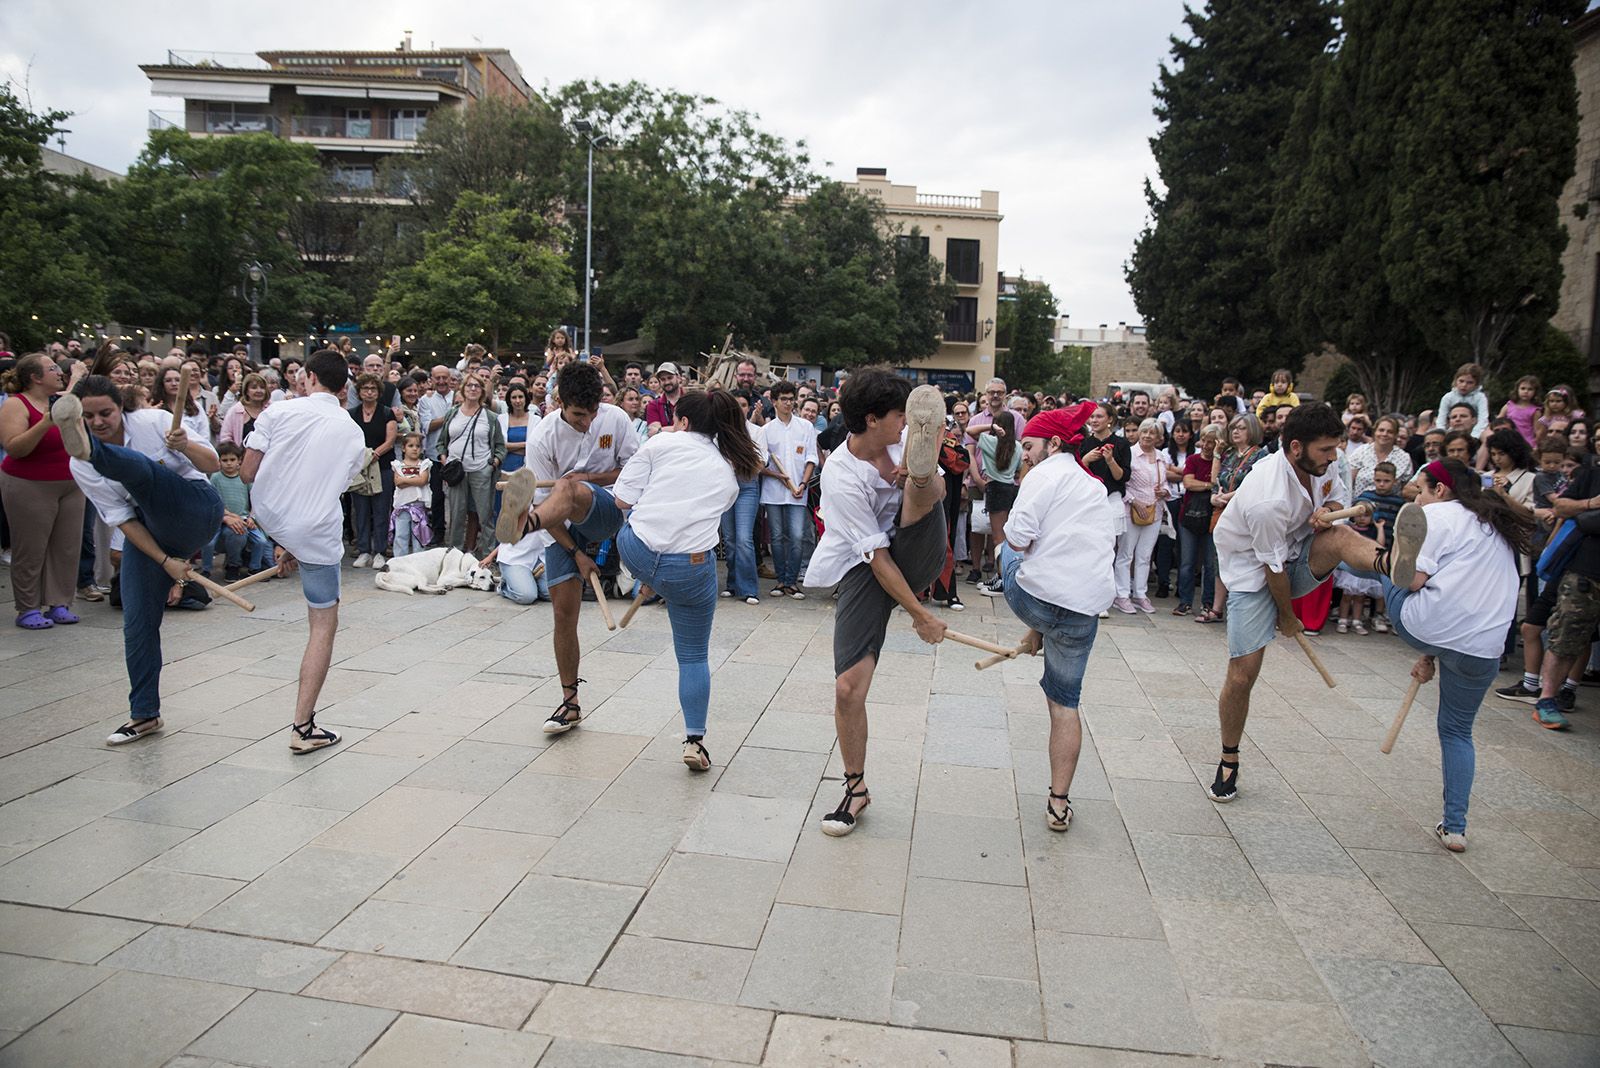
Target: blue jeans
{"points": [[250, 550], [370, 514], [1195, 554], [1463, 680], [518, 585], [1068, 635], [787, 523], [739, 536], [182, 515], [601, 524], [404, 543], [688, 583]]}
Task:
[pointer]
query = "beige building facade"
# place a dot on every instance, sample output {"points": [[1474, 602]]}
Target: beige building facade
{"points": [[1578, 315], [963, 233]]}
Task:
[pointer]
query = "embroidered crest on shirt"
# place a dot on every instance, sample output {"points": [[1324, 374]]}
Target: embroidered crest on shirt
{"points": [[1326, 486], [605, 441]]}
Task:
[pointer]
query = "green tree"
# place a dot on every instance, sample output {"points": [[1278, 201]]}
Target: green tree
{"points": [[923, 296], [1200, 272], [491, 272], [839, 286], [1076, 364], [1024, 328], [48, 280]]}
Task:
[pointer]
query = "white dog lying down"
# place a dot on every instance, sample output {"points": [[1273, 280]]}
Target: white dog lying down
{"points": [[434, 571]]}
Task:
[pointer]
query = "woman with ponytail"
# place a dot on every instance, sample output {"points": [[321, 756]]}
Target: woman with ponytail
{"points": [[674, 491], [1450, 580]]}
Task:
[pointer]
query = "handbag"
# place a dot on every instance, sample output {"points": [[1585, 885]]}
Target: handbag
{"points": [[1141, 515], [453, 471]]}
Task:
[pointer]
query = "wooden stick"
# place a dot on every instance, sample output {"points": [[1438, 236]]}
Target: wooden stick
{"points": [[259, 576], [1405, 706], [638, 599], [979, 643], [600, 596], [1316, 661], [220, 590], [182, 400], [503, 483], [1348, 513], [1024, 648]]}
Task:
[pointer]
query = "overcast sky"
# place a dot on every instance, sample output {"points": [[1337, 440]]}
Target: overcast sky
{"points": [[1047, 102]]}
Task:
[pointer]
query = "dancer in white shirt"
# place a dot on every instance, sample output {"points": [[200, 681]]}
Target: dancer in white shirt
{"points": [[300, 457], [675, 491], [884, 541], [149, 482], [1056, 567], [582, 449]]}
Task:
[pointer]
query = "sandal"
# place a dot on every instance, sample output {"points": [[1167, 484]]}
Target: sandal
{"points": [[311, 737], [33, 619], [1210, 615], [1224, 790], [695, 754], [567, 714], [1058, 821], [841, 821]]}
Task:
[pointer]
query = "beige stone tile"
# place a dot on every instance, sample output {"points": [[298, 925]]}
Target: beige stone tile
{"points": [[662, 787], [937, 933], [1061, 1055], [1337, 917], [210, 794], [221, 958], [1516, 977], [671, 968], [408, 986], [273, 1030], [345, 782], [1122, 992], [36, 988], [1269, 964], [32, 821], [159, 895], [404, 929], [470, 868], [857, 872], [1573, 927], [551, 928], [534, 803], [972, 848], [589, 756], [303, 898], [96, 1024], [655, 1023], [962, 791], [742, 889], [250, 841], [77, 864], [751, 828], [63, 935], [961, 1001], [576, 1053], [824, 962], [612, 846], [422, 1042], [401, 822], [1281, 1032], [806, 1042], [757, 772]]}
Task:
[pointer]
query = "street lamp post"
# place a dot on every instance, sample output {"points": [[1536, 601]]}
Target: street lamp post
{"points": [[255, 274], [585, 127]]}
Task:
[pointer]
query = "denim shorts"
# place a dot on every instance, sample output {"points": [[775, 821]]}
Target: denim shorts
{"points": [[1253, 614], [320, 584], [602, 522], [1068, 635]]}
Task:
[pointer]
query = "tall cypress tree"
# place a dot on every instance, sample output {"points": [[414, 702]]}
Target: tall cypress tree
{"points": [[1200, 270]]}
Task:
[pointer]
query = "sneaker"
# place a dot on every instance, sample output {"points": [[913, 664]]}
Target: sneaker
{"points": [[975, 577], [232, 574], [67, 414], [378, 561], [1380, 624], [924, 432], [1343, 626], [1410, 530], [993, 588], [1548, 715], [1163, 592], [364, 560], [89, 593], [778, 591], [1105, 614], [955, 604], [1143, 604], [1359, 627], [133, 730], [726, 593], [1518, 691], [1566, 700], [796, 593], [1456, 843], [752, 600], [766, 571], [1312, 632], [1590, 678], [1121, 604]]}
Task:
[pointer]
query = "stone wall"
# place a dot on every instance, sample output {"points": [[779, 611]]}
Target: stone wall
{"points": [[1120, 361]]}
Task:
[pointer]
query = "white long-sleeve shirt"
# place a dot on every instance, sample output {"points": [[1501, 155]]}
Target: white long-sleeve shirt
{"points": [[311, 449], [1060, 515], [1268, 521]]}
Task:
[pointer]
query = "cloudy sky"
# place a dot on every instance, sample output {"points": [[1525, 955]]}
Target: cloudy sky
{"points": [[1046, 101]]}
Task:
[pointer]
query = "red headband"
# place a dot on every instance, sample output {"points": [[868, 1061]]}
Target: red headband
{"points": [[1064, 423], [1439, 474]]}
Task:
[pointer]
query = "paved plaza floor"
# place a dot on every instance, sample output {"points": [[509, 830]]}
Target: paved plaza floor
{"points": [[450, 886]]}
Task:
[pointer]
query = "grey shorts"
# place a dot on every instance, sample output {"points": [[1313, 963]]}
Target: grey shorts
{"points": [[862, 617], [1253, 614]]}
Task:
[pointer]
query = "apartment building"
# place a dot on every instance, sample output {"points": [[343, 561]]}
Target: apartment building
{"points": [[357, 108]]}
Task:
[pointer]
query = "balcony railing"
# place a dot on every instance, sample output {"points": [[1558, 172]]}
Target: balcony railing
{"points": [[966, 274], [944, 200], [223, 60], [158, 121], [338, 127], [229, 122], [965, 333]]}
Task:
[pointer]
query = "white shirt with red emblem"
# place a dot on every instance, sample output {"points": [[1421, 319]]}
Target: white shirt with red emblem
{"points": [[555, 448]]}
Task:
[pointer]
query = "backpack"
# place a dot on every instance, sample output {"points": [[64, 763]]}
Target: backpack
{"points": [[1558, 550]]}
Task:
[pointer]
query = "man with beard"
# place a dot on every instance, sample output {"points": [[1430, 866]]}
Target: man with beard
{"points": [[1263, 547], [661, 412]]}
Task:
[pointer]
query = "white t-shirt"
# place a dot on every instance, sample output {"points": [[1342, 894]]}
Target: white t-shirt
{"points": [[143, 432], [678, 486], [404, 495], [527, 552], [858, 510], [792, 445], [556, 449], [311, 449], [1471, 593], [1061, 515], [1268, 521]]}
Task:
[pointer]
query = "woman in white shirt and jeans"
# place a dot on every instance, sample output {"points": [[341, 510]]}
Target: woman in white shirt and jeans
{"points": [[674, 491]]}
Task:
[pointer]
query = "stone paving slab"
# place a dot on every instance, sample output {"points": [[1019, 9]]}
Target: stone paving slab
{"points": [[450, 885]]}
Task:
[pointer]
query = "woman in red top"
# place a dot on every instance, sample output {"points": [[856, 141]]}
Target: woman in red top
{"points": [[43, 503]]}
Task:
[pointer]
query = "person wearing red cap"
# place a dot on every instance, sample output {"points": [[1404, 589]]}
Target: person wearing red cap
{"points": [[1056, 568]]}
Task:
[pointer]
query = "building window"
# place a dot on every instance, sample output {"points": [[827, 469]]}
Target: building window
{"points": [[357, 176], [961, 261], [961, 321], [358, 122], [408, 123], [233, 118], [916, 242]]}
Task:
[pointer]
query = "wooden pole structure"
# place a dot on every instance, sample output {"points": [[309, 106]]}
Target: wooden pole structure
{"points": [[1399, 720]]}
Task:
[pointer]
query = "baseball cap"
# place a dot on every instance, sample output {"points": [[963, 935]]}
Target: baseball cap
{"points": [[668, 368]]}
